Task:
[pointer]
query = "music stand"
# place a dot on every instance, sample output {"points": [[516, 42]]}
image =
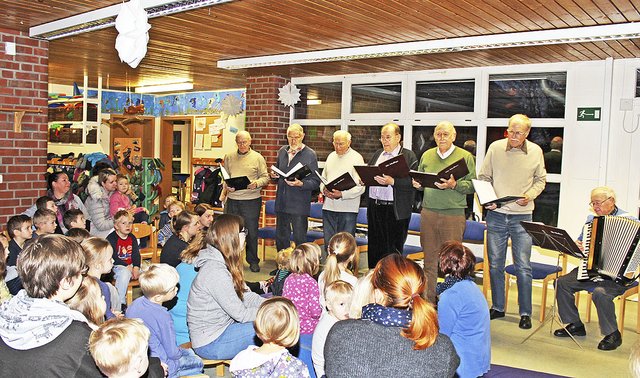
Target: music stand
{"points": [[554, 239]]}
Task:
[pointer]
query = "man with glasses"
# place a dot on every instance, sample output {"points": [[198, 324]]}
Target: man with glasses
{"points": [[603, 202], [246, 202], [340, 209], [294, 197], [515, 167], [443, 209], [389, 206]]}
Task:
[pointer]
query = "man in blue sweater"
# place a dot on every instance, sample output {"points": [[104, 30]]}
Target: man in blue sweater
{"points": [[294, 196]]}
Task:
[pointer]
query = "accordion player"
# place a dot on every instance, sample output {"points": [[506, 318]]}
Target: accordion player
{"points": [[612, 246]]}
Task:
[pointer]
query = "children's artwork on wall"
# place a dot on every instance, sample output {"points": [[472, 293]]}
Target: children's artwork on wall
{"points": [[114, 102], [128, 151], [207, 133]]}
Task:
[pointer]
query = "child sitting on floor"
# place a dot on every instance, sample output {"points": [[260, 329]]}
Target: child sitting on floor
{"points": [[165, 232], [98, 255], [74, 218], [46, 202], [159, 284], [119, 348], [282, 259], [78, 234], [338, 302], [19, 230], [341, 256], [126, 254], [45, 222], [164, 214], [89, 302], [277, 325], [303, 291]]}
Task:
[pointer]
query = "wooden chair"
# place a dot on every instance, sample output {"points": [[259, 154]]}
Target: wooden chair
{"points": [[142, 230], [632, 290], [361, 222], [414, 229], [315, 215], [218, 364], [264, 232]]}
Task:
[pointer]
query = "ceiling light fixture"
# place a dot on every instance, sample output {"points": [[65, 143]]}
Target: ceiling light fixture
{"points": [[483, 42], [314, 101], [106, 17], [174, 87]]}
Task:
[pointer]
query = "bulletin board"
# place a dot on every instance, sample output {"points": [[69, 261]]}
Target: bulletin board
{"points": [[207, 133]]}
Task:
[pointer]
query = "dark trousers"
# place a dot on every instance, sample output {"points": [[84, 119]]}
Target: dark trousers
{"points": [[285, 223], [249, 210], [603, 296], [386, 234]]}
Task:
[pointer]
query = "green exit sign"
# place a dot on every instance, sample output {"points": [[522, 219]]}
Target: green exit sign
{"points": [[589, 114]]}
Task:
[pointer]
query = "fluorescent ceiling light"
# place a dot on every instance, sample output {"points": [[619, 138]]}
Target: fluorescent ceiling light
{"points": [[483, 42], [106, 17], [165, 88], [314, 102]]}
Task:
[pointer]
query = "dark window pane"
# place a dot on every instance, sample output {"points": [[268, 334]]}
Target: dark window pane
{"points": [[445, 96], [547, 203], [366, 140], [638, 83], [376, 98], [550, 139], [176, 167], [423, 138], [536, 95], [319, 101], [320, 139]]}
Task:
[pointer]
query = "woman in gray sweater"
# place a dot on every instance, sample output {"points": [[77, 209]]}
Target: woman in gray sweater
{"points": [[220, 308], [401, 320]]}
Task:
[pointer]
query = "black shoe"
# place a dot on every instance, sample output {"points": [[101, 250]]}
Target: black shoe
{"points": [[525, 322], [494, 314], [611, 341], [255, 268], [572, 328]]}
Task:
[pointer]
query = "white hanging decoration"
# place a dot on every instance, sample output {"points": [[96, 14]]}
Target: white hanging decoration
{"points": [[289, 94], [133, 33], [231, 105]]}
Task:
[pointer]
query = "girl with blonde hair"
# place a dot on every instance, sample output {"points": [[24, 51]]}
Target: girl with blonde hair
{"points": [[342, 259]]}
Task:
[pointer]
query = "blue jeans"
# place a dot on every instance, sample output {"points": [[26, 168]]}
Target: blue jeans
{"points": [[236, 338], [285, 223], [188, 364], [305, 352], [334, 222], [249, 210], [122, 276], [501, 227]]}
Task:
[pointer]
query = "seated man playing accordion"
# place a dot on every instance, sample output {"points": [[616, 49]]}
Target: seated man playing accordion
{"points": [[605, 288]]}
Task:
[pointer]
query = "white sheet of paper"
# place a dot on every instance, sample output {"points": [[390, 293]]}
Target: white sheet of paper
{"points": [[485, 191], [199, 139]]}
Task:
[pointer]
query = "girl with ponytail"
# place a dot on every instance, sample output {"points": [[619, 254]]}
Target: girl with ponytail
{"points": [[342, 259]]}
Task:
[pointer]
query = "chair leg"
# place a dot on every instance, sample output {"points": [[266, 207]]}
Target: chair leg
{"points": [[507, 284], [129, 295], [220, 370], [621, 314], [588, 307], [543, 301]]}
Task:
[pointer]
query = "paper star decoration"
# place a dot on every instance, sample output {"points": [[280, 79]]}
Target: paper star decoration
{"points": [[133, 28], [289, 95], [231, 105]]}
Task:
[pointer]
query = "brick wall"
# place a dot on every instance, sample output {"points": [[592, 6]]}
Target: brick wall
{"points": [[267, 121], [23, 156]]}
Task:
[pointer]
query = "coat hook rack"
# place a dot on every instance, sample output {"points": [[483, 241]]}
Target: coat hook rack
{"points": [[17, 116]]}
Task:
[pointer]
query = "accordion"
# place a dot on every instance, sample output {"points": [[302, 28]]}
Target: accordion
{"points": [[612, 247]]}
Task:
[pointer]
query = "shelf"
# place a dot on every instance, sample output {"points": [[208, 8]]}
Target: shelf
{"points": [[90, 100]]}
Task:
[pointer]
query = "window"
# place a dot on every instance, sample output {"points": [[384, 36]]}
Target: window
{"points": [[319, 101], [445, 96], [536, 95], [366, 140], [638, 83], [376, 98], [320, 139], [423, 138], [547, 203]]}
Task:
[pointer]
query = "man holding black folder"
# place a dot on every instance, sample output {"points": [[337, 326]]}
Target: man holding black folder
{"points": [[340, 209], [515, 167], [246, 201], [390, 203], [442, 217], [293, 196]]}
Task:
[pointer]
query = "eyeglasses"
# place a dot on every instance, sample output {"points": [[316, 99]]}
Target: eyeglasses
{"points": [[598, 203], [516, 133], [444, 135], [387, 138]]}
